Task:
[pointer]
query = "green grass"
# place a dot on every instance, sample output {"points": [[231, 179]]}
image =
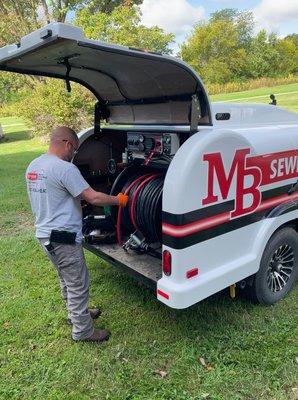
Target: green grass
{"points": [[286, 95], [250, 350]]}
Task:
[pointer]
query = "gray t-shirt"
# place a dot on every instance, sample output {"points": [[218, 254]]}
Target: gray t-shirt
{"points": [[53, 187]]}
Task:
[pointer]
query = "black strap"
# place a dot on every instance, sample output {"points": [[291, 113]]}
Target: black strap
{"points": [[68, 69]]}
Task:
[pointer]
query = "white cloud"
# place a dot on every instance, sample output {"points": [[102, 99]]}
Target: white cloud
{"points": [[271, 14], [176, 16]]}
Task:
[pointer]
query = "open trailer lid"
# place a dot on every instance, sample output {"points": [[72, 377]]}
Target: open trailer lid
{"points": [[132, 86]]}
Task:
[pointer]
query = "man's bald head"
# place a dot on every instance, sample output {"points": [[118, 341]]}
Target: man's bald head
{"points": [[61, 133], [63, 143]]}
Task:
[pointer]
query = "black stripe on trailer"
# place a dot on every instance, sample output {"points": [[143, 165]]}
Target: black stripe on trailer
{"points": [[221, 229], [210, 233], [211, 211]]}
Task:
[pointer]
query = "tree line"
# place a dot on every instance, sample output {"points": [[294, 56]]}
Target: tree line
{"points": [[222, 49], [225, 48]]}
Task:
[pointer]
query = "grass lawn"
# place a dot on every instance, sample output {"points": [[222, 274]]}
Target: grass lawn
{"points": [[250, 351], [286, 95]]}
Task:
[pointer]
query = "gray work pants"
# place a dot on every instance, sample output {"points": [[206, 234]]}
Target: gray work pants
{"points": [[72, 270]]}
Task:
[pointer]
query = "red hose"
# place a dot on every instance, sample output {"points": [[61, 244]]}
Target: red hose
{"points": [[134, 199], [120, 209]]}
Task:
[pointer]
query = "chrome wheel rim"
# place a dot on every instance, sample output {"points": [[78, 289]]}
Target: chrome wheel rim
{"points": [[280, 268]]}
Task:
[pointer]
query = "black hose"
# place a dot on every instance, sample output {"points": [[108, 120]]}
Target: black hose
{"points": [[148, 208]]}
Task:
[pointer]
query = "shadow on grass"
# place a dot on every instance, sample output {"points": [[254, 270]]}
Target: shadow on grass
{"points": [[213, 316], [16, 136]]}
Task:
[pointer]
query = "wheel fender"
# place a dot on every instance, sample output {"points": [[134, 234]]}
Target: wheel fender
{"points": [[268, 226]]}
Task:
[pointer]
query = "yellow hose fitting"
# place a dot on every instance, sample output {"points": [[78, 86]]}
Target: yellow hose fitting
{"points": [[233, 291]]}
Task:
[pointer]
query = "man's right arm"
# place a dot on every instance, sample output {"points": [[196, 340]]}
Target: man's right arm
{"points": [[101, 199], [73, 181]]}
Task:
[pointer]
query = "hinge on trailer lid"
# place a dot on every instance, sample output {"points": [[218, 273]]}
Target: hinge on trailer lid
{"points": [[195, 113], [100, 112]]}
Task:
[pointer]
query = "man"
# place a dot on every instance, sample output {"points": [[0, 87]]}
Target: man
{"points": [[55, 188]]}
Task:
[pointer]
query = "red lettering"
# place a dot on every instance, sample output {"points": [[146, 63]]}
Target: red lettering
{"points": [[252, 190], [216, 167], [238, 168]]}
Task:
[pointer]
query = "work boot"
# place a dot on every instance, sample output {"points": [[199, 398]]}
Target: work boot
{"points": [[99, 335], [94, 313]]}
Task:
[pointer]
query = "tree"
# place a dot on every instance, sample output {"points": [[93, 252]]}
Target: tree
{"points": [[122, 26], [294, 38], [17, 18], [213, 51], [225, 49], [107, 6], [287, 49], [242, 21], [264, 58]]}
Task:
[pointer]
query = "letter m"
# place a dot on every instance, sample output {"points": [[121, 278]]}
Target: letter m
{"points": [[216, 168]]}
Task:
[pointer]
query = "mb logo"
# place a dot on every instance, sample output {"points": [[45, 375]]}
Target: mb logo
{"points": [[239, 172]]}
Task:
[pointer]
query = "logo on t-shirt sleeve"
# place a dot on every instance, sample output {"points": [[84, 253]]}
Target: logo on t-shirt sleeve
{"points": [[32, 176]]}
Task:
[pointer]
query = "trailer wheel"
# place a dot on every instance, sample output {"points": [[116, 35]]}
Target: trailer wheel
{"points": [[278, 268]]}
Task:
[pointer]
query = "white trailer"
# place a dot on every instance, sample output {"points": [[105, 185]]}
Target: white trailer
{"points": [[213, 187]]}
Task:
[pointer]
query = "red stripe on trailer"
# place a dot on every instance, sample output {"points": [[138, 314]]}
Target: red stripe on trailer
{"points": [[193, 227], [163, 294], [275, 167], [275, 201], [206, 223]]}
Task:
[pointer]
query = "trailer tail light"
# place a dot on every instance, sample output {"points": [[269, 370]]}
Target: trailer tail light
{"points": [[192, 272], [166, 262]]}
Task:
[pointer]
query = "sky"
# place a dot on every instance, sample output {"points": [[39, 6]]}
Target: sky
{"points": [[178, 16]]}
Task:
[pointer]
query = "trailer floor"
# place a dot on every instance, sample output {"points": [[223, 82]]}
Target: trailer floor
{"points": [[143, 267]]}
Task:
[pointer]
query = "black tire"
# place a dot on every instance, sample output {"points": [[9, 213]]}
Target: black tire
{"points": [[278, 268]]}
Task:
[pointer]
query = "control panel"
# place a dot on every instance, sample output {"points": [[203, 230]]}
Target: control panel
{"points": [[142, 144]]}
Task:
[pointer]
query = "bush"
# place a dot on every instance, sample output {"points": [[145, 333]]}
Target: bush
{"points": [[48, 104], [12, 86]]}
